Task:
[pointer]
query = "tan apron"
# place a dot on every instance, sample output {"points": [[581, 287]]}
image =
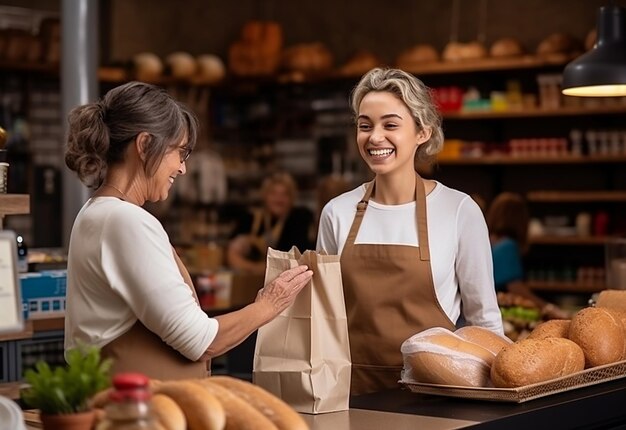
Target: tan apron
{"points": [[390, 296], [141, 350], [269, 237]]}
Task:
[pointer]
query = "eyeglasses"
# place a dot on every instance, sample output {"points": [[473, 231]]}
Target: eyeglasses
{"points": [[185, 152]]}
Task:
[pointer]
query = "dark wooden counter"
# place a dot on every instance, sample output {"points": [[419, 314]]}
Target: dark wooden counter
{"points": [[602, 406]]}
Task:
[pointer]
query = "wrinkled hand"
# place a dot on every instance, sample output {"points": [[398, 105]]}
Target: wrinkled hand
{"points": [[282, 291]]}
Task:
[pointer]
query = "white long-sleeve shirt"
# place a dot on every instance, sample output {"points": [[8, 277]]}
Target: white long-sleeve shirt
{"points": [[460, 252], [121, 269]]}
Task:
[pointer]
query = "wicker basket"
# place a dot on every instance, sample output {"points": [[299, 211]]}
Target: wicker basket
{"points": [[585, 378]]}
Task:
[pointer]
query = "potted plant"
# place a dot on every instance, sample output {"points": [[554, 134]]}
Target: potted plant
{"points": [[62, 394]]}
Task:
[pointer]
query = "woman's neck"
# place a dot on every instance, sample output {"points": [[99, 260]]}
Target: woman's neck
{"points": [[119, 184], [394, 189]]}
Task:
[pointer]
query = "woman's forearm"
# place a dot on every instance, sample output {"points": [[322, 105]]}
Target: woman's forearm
{"points": [[235, 327]]}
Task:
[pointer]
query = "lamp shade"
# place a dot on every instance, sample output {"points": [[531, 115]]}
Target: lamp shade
{"points": [[601, 72]]}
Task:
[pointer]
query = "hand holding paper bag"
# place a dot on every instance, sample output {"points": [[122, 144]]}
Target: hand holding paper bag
{"points": [[303, 355]]}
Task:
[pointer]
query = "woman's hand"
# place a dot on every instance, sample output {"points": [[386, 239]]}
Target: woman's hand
{"points": [[282, 291]]}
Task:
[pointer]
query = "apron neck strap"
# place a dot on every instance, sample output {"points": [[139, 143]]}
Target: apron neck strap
{"points": [[420, 214], [422, 225]]}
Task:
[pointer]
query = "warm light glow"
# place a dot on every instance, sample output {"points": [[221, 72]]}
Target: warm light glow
{"points": [[615, 90]]}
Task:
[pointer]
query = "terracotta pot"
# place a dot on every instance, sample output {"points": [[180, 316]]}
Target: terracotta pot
{"points": [[78, 421]]}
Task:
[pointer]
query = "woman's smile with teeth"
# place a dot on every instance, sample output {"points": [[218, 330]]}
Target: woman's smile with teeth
{"points": [[380, 152]]}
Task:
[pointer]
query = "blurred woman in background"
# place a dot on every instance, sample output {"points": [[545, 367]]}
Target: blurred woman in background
{"points": [[507, 220], [278, 224]]}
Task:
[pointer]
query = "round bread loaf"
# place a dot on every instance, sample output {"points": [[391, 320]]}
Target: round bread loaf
{"points": [[506, 47], [600, 334], [551, 328], [147, 67], [181, 64], [417, 55], [530, 361], [486, 338], [438, 356]]}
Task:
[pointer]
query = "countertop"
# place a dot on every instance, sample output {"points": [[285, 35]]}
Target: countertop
{"points": [[602, 406]]}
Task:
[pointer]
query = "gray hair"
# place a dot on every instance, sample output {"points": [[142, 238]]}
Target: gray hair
{"points": [[414, 94], [100, 132]]}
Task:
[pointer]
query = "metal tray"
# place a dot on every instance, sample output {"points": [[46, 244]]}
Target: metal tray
{"points": [[584, 378]]}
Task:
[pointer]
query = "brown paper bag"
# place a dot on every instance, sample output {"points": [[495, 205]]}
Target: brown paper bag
{"points": [[303, 356]]}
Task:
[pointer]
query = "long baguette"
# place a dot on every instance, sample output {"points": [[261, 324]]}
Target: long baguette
{"points": [[168, 413], [202, 410], [280, 413], [240, 415]]}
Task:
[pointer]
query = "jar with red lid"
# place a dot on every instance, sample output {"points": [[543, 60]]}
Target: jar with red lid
{"points": [[129, 406]]}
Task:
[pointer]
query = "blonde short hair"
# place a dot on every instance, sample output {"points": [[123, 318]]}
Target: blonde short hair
{"points": [[281, 178], [414, 94]]}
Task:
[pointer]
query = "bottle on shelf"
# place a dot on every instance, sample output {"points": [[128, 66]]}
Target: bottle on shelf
{"points": [[129, 405]]}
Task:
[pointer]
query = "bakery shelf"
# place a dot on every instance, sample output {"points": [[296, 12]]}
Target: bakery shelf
{"points": [[511, 160], [14, 204], [537, 113], [20, 66], [566, 287], [576, 196], [567, 240]]}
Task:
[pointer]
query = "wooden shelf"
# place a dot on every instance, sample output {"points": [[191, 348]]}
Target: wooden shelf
{"points": [[489, 64], [576, 196], [566, 287], [511, 160], [19, 66], [14, 204], [536, 113], [567, 240]]}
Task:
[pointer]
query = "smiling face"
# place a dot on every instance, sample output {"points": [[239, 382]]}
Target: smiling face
{"points": [[387, 135], [172, 165]]}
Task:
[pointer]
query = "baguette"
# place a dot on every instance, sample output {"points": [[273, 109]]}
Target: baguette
{"points": [[280, 413], [240, 415], [536, 360], [202, 410], [168, 413], [486, 338]]}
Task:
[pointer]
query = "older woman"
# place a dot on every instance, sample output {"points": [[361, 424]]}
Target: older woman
{"points": [[128, 291]]}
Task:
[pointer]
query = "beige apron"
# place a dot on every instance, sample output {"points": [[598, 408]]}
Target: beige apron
{"points": [[140, 350], [390, 296]]}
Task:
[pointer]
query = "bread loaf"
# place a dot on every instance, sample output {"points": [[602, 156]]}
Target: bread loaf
{"points": [[168, 413], [438, 356], [536, 360], [506, 47], [486, 338], [202, 410], [612, 299], [280, 413], [600, 334], [551, 328], [240, 415], [417, 55]]}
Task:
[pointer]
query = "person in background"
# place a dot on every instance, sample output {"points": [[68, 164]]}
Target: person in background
{"points": [[277, 224], [128, 291], [415, 253], [507, 220]]}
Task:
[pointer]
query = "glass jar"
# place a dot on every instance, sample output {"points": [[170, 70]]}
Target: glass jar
{"points": [[129, 406]]}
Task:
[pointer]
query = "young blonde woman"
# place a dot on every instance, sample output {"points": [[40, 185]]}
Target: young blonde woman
{"points": [[415, 254]]}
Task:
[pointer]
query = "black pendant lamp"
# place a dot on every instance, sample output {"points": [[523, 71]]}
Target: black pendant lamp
{"points": [[601, 72]]}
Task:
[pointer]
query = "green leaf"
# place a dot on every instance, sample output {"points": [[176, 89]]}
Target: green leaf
{"points": [[67, 389]]}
